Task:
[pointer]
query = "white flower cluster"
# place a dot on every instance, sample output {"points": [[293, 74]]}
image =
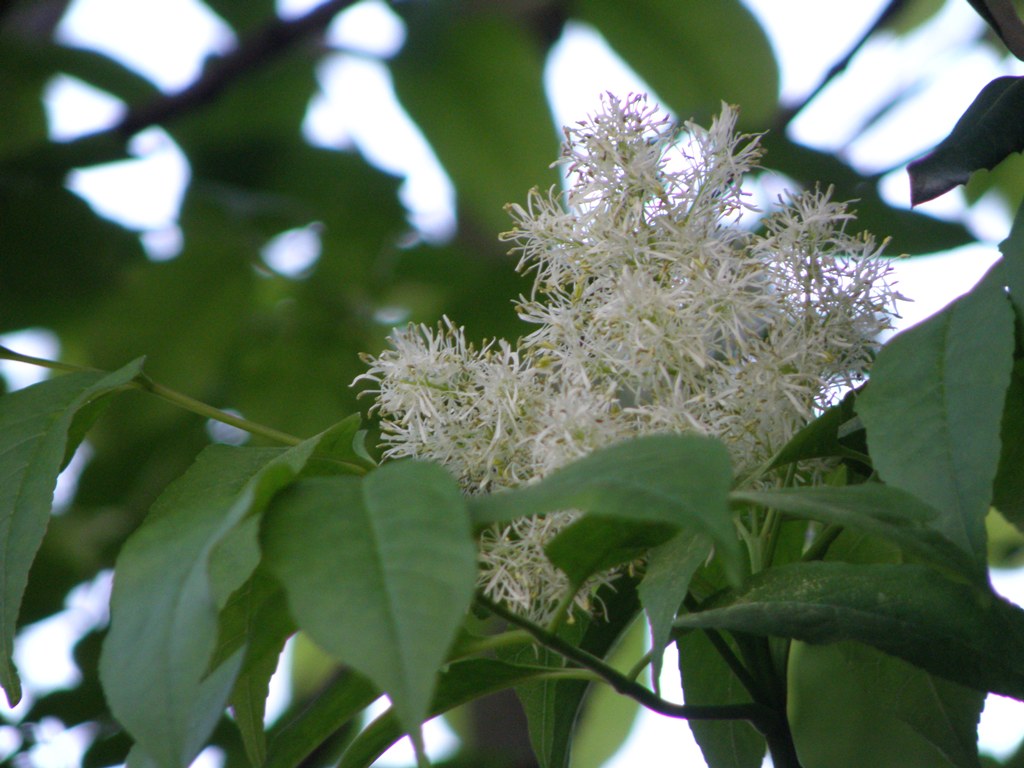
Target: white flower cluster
{"points": [[655, 311]]}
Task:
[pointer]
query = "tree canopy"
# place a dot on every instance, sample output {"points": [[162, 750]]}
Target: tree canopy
{"points": [[210, 539]]}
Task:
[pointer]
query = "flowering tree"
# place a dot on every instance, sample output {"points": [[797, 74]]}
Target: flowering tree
{"points": [[693, 430]]}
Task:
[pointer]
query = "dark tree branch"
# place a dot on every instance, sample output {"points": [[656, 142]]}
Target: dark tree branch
{"points": [[758, 715], [267, 43], [787, 114], [31, 21]]}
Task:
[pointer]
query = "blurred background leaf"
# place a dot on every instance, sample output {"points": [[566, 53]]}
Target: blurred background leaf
{"points": [[220, 319]]}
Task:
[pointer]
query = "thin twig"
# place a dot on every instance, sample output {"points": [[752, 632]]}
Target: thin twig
{"points": [[270, 41], [758, 715], [750, 685], [53, 365], [143, 382], [787, 114]]}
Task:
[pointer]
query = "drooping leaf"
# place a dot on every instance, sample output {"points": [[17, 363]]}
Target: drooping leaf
{"points": [[849, 706], [875, 509], [933, 409], [987, 132], [458, 684], [963, 633], [880, 696], [38, 434], [551, 709], [676, 48], [707, 679], [681, 480], [379, 572], [163, 633], [665, 584]]}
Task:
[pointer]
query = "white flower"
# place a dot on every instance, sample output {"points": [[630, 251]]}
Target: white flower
{"points": [[653, 310]]}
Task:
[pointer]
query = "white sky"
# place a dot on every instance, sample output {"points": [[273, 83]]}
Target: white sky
{"points": [[168, 40]]}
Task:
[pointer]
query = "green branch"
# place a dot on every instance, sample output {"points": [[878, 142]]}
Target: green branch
{"points": [[750, 685], [143, 382], [53, 365], [146, 384], [758, 715]]}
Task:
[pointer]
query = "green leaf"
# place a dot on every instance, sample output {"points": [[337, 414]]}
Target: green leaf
{"points": [[824, 437], [594, 544], [474, 84], [552, 706], [875, 509], [607, 717], [906, 17], [1008, 489], [665, 584], [332, 711], [460, 683], [849, 706], [163, 632], [987, 132], [933, 408], [379, 572], [1012, 269], [961, 632], [677, 48], [49, 277], [681, 480], [707, 679], [254, 618], [38, 434]]}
